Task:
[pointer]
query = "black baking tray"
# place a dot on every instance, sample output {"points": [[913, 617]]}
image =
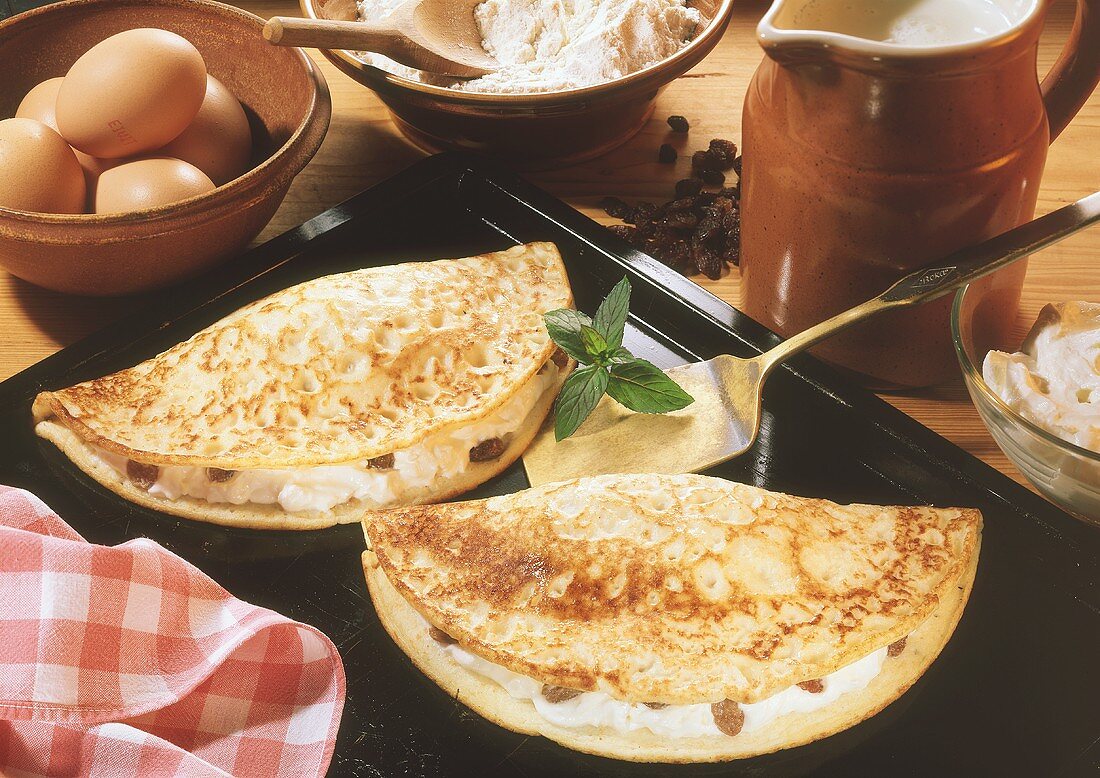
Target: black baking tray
{"points": [[1016, 691]]}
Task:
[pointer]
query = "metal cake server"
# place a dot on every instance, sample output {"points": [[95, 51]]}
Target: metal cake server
{"points": [[724, 420]]}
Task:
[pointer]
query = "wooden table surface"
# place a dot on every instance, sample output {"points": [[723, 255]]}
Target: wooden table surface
{"points": [[364, 147]]}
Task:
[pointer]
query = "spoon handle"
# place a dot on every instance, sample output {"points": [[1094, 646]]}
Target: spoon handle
{"points": [[956, 270], [331, 34]]}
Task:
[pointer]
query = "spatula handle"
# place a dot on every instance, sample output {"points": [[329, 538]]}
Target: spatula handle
{"points": [[973, 262], [957, 270]]}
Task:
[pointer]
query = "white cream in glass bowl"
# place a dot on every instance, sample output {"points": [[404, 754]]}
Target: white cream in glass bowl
{"points": [[1041, 401]]}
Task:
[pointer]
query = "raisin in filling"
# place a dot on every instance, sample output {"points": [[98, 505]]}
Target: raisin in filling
{"points": [[141, 475], [487, 450], [441, 637], [556, 694], [728, 717], [384, 462], [218, 476]]}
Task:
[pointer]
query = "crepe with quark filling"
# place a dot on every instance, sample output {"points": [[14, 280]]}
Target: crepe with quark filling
{"points": [[671, 618], [385, 386]]}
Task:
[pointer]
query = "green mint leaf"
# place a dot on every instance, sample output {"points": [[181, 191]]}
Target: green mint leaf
{"points": [[594, 344], [610, 317], [579, 395], [642, 387], [564, 327], [619, 356]]}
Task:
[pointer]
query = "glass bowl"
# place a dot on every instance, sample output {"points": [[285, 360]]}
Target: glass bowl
{"points": [[530, 131], [1064, 473]]}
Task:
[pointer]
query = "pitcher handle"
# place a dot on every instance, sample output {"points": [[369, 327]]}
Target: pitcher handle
{"points": [[1077, 71]]}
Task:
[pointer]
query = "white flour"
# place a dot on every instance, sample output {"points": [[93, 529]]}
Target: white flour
{"points": [[552, 45]]}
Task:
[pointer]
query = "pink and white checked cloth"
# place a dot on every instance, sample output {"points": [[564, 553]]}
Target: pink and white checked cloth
{"points": [[129, 661]]}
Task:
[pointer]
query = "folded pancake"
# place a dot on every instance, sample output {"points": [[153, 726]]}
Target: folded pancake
{"points": [[386, 386], [671, 618]]}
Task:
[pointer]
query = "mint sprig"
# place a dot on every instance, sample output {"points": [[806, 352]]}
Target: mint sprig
{"points": [[597, 344]]}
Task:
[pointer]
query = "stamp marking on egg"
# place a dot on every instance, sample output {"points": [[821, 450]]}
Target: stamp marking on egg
{"points": [[120, 131]]}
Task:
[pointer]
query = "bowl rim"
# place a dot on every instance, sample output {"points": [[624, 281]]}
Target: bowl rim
{"points": [[253, 179], [687, 56], [975, 379]]}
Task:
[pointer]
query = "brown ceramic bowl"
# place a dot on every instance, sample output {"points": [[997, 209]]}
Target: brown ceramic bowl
{"points": [[533, 131], [283, 93]]}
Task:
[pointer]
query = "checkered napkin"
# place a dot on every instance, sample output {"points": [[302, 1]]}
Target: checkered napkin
{"points": [[128, 661]]}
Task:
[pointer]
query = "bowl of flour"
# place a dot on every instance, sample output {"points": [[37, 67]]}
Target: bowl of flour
{"points": [[576, 79]]}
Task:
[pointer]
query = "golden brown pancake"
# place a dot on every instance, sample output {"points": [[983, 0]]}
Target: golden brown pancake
{"points": [[672, 590], [341, 370]]}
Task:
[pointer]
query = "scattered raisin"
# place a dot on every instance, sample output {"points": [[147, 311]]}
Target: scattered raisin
{"points": [[688, 187], [666, 154], [814, 686], [559, 358], [701, 160], [681, 220], [616, 208], [441, 637], [678, 123], [707, 261], [624, 231], [487, 450], [728, 717], [643, 211], [556, 694], [712, 177], [896, 647], [722, 153], [142, 475], [698, 231], [384, 462], [218, 476]]}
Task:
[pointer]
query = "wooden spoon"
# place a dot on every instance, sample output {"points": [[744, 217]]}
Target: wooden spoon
{"points": [[437, 36]]}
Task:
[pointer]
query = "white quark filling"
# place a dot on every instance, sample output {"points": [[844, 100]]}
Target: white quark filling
{"points": [[444, 454], [549, 46], [1054, 381], [596, 709]]}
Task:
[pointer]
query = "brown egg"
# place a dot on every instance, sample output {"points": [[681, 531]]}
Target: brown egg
{"points": [[148, 183], [218, 142], [40, 104], [38, 170], [131, 93]]}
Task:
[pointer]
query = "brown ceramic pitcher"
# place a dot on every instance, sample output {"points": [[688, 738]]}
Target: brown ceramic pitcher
{"points": [[865, 159]]}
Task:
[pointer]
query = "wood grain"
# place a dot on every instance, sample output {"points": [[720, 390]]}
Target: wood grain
{"points": [[364, 147]]}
